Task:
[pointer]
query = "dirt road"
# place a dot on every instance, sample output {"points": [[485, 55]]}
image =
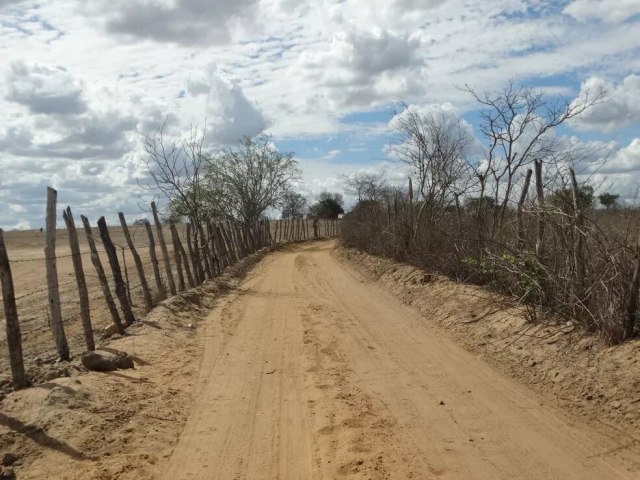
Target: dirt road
{"points": [[311, 372]]}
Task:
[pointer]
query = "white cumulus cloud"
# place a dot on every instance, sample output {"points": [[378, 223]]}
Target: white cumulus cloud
{"points": [[607, 10], [228, 112], [620, 107]]}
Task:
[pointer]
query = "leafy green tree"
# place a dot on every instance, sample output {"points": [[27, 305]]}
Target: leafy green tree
{"points": [[563, 199], [329, 205], [246, 180], [488, 204], [608, 200], [293, 205]]}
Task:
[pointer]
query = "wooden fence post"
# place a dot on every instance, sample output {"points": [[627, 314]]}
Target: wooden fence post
{"points": [[237, 233], [213, 250], [270, 237], [218, 243], [228, 237], [126, 275], [14, 337], [163, 248], [226, 243], [185, 261], [52, 277], [146, 293], [204, 250], [95, 258], [121, 291], [237, 236], [228, 261], [83, 293], [228, 228], [242, 241], [178, 257], [154, 259], [194, 261]]}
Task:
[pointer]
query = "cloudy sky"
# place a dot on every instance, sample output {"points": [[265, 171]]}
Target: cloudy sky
{"points": [[80, 81]]}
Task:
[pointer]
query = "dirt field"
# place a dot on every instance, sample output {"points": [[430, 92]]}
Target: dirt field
{"points": [[26, 255], [309, 369]]}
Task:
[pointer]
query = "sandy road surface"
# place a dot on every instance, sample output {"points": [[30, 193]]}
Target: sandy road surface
{"points": [[310, 372]]}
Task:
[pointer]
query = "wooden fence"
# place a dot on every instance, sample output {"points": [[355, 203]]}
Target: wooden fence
{"points": [[113, 275]]}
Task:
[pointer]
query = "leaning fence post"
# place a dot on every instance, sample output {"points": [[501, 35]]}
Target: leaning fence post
{"points": [[83, 293], [148, 300], [204, 251], [226, 243], [52, 277], [95, 258], [14, 337], [222, 241], [154, 260], [185, 262], [194, 261], [215, 257], [177, 257], [121, 291], [269, 235], [163, 248], [126, 275]]}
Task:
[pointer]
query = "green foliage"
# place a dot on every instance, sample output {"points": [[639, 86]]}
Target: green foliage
{"points": [[488, 203], [563, 199], [246, 180], [293, 205], [329, 205], [518, 275], [608, 200]]}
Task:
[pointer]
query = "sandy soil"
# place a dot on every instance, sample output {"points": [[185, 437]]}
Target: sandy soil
{"points": [[117, 425], [312, 372], [309, 369], [574, 370]]}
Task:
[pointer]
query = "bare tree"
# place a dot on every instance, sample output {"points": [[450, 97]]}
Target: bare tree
{"points": [[175, 168], [517, 123], [246, 180], [367, 185], [434, 145]]}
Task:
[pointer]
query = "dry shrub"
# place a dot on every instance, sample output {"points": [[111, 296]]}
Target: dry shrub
{"points": [[586, 274]]}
